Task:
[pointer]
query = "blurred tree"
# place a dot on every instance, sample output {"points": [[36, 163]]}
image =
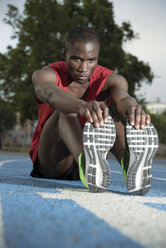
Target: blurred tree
{"points": [[159, 121], [7, 116], [41, 32]]}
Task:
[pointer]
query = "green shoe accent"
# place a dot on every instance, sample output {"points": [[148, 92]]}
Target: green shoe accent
{"points": [[81, 161], [123, 170]]}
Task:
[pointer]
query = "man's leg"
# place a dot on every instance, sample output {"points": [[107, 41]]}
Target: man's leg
{"points": [[60, 143], [119, 145]]}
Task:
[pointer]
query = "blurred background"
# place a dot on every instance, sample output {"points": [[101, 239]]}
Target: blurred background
{"points": [[33, 32]]}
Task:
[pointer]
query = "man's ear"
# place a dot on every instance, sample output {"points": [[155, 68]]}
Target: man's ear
{"points": [[64, 53]]}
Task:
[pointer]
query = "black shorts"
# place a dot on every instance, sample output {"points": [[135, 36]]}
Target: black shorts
{"points": [[71, 174]]}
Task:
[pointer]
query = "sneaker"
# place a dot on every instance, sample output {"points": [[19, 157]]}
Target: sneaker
{"points": [[141, 146], [93, 166]]}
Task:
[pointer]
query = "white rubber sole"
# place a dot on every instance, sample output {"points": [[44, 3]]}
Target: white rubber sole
{"points": [[143, 145], [97, 143]]}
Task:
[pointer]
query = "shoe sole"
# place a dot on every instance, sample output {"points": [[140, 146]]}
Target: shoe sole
{"points": [[143, 145], [97, 143]]}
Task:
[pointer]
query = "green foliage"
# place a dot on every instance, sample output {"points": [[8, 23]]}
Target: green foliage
{"points": [[41, 32], [7, 116], [159, 121]]}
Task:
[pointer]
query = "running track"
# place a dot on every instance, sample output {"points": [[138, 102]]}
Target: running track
{"points": [[52, 213]]}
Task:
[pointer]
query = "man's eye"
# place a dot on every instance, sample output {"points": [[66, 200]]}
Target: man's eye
{"points": [[91, 60], [76, 60]]}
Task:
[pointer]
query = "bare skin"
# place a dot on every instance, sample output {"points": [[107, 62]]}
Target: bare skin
{"points": [[61, 139]]}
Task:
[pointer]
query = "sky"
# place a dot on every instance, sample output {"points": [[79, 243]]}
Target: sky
{"points": [[147, 18]]}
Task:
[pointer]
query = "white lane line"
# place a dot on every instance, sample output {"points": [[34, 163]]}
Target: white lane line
{"points": [[2, 240], [117, 172], [7, 161], [125, 213], [156, 178], [11, 160]]}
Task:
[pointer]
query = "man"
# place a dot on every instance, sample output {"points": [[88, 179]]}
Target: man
{"points": [[73, 91]]}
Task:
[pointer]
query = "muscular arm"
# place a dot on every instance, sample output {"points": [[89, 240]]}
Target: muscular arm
{"points": [[46, 90], [126, 105]]}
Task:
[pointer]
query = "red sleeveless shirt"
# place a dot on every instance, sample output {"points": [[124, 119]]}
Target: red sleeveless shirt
{"points": [[97, 81]]}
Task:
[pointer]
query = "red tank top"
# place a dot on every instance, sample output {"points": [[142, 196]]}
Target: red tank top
{"points": [[97, 81]]}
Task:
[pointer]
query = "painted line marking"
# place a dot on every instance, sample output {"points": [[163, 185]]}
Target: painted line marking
{"points": [[117, 172], [11, 161], [156, 178], [108, 209], [7, 161]]}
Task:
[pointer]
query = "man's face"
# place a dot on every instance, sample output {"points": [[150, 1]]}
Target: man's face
{"points": [[81, 60]]}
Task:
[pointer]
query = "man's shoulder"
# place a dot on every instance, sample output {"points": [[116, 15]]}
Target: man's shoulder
{"points": [[60, 69], [102, 71], [59, 65]]}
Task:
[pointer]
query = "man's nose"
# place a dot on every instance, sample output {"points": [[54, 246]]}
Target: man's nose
{"points": [[83, 66]]}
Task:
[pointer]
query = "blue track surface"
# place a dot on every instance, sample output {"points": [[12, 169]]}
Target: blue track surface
{"points": [[53, 213]]}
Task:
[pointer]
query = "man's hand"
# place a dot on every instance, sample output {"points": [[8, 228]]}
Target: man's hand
{"points": [[137, 117], [95, 112]]}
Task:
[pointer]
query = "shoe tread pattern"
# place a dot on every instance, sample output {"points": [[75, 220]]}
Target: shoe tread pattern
{"points": [[142, 145], [97, 143]]}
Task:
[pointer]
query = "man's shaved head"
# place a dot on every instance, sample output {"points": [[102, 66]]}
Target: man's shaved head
{"points": [[81, 34]]}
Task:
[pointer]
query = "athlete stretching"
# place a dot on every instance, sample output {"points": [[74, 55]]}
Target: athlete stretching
{"points": [[76, 91]]}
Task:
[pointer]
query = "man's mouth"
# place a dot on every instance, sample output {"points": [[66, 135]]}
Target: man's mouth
{"points": [[82, 77]]}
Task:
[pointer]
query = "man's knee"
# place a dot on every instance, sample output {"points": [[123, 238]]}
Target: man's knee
{"points": [[69, 123], [69, 114]]}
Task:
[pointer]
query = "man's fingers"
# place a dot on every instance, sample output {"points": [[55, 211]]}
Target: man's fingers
{"points": [[95, 112], [131, 115], [92, 112], [138, 113], [98, 113], [96, 121], [102, 112], [148, 119], [137, 117], [88, 115], [105, 111]]}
